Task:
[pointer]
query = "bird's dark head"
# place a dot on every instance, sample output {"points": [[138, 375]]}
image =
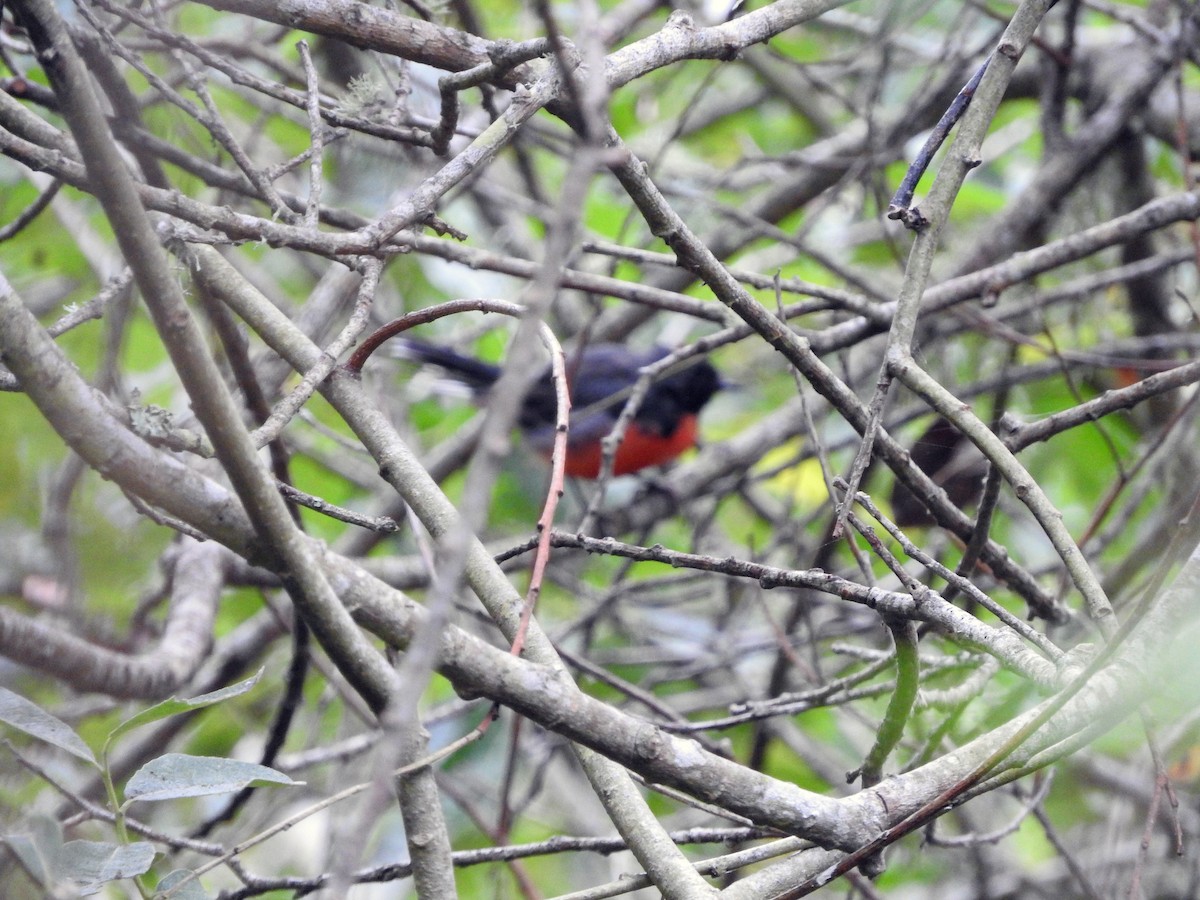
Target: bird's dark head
{"points": [[694, 385]]}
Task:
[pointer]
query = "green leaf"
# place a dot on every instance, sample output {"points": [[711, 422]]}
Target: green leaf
{"points": [[192, 890], [173, 706], [178, 775], [30, 718], [37, 848], [84, 865], [91, 864]]}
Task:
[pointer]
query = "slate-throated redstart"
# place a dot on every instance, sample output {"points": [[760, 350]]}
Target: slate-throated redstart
{"points": [[600, 378]]}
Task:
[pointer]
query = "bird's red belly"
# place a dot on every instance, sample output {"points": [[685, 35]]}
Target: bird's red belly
{"points": [[638, 450]]}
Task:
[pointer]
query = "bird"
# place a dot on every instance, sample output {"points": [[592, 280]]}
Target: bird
{"points": [[600, 378], [955, 464]]}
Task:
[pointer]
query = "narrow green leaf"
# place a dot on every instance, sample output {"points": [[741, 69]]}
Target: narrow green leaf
{"points": [[30, 718], [178, 775], [82, 867], [38, 848], [91, 864], [193, 890], [173, 706]]}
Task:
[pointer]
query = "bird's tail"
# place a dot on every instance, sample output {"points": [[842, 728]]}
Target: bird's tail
{"points": [[474, 373]]}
